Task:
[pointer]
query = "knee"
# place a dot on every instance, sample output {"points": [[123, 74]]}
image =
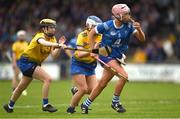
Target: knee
{"points": [[88, 91], [83, 90], [48, 80]]}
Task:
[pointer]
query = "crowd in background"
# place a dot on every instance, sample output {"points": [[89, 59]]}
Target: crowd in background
{"points": [[157, 17]]}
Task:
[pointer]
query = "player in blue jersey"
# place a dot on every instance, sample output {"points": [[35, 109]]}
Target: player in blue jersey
{"points": [[116, 34]]}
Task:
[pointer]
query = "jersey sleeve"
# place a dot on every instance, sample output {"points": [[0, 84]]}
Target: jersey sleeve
{"points": [[101, 28], [37, 37], [14, 47]]}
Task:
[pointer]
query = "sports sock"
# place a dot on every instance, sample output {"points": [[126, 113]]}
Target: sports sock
{"points": [[45, 101], [87, 102], [115, 99], [11, 104]]}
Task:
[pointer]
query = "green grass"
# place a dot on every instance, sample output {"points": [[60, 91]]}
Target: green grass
{"points": [[142, 100]]}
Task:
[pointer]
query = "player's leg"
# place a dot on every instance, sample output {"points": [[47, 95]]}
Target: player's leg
{"points": [[116, 104], [80, 82], [25, 81], [15, 77], [106, 77], [40, 74], [117, 66], [16, 72], [91, 83]]}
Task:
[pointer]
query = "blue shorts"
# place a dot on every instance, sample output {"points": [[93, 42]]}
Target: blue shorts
{"points": [[17, 62], [106, 59], [26, 66], [78, 67]]}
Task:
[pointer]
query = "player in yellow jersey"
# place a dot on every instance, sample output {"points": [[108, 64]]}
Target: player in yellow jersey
{"points": [[83, 65], [17, 49], [43, 44]]}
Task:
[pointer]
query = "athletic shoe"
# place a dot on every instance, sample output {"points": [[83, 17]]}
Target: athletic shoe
{"points": [[74, 90], [49, 108], [6, 107], [118, 107], [71, 110], [84, 109]]}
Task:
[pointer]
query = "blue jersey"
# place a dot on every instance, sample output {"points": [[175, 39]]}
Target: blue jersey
{"points": [[115, 37], [72, 42]]}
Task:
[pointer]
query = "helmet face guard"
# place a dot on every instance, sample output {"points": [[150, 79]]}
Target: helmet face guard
{"points": [[48, 23], [93, 21], [119, 10]]}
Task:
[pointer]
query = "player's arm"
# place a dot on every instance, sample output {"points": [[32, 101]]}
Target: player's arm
{"points": [[47, 43], [14, 60], [69, 53], [56, 51], [138, 32], [14, 56], [99, 29], [91, 36], [81, 54]]}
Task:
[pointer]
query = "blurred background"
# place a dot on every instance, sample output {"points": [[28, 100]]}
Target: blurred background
{"points": [[149, 64], [160, 20]]}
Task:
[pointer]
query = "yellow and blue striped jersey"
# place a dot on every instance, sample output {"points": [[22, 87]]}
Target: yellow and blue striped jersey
{"points": [[83, 41], [37, 52]]}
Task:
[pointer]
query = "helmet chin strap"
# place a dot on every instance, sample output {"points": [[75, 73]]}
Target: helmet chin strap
{"points": [[46, 32], [119, 18], [21, 40], [88, 27], [49, 34]]}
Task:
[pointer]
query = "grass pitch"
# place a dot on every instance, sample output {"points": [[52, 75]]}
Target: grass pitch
{"points": [[142, 100]]}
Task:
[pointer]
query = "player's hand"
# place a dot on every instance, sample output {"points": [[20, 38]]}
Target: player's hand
{"points": [[94, 55], [62, 40], [136, 25], [62, 45], [97, 45]]}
